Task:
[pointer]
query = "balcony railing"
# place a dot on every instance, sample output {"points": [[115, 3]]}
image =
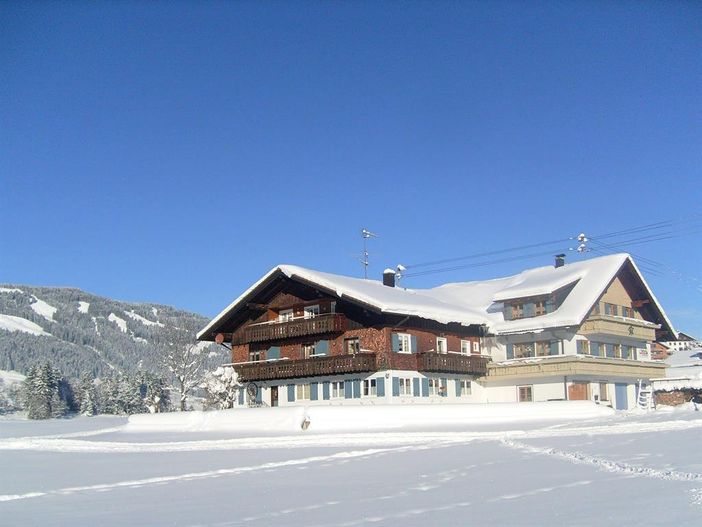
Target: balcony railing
{"points": [[452, 363], [301, 327], [289, 369]]}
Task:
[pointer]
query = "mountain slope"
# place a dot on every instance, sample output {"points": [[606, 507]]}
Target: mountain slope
{"points": [[79, 331]]}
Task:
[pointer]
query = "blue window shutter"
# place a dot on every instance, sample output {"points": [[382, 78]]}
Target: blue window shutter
{"points": [[595, 349], [550, 306], [273, 352], [241, 396], [554, 348], [413, 341], [314, 391], [380, 386], [507, 310], [395, 386], [415, 387], [529, 309], [291, 393], [425, 387], [444, 385], [325, 391], [510, 351], [395, 342], [609, 350], [357, 388], [321, 348], [458, 388], [348, 390], [259, 395]]}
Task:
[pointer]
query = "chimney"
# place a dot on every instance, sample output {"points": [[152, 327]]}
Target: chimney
{"points": [[560, 260], [389, 277]]}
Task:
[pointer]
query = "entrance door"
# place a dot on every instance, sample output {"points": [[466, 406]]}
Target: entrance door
{"points": [[621, 400], [577, 391], [274, 396]]}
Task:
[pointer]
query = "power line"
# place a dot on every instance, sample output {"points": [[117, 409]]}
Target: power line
{"points": [[479, 264]]}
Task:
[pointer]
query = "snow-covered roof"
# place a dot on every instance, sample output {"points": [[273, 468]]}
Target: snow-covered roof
{"points": [[467, 303]]}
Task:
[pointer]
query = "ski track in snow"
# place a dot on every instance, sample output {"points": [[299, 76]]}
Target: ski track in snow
{"points": [[137, 483], [605, 464], [73, 443]]}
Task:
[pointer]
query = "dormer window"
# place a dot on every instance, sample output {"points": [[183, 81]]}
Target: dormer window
{"points": [[285, 315], [517, 311]]}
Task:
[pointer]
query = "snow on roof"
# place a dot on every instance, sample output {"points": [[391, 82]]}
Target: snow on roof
{"points": [[468, 303]]}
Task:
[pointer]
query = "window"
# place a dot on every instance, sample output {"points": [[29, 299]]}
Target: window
{"points": [[525, 394], [610, 309], [433, 386], [369, 387], [465, 388], [543, 348], [303, 391], [583, 347], [540, 308], [332, 307], [465, 347], [337, 390], [405, 343], [627, 312], [311, 311], [523, 350], [352, 345], [405, 386], [517, 311], [476, 347], [441, 345], [603, 392], [285, 315], [254, 355]]}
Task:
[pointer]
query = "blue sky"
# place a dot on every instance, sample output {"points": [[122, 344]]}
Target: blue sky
{"points": [[173, 152]]}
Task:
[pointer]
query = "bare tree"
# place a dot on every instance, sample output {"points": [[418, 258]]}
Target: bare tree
{"points": [[186, 362]]}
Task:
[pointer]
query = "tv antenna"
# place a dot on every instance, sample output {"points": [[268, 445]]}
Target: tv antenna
{"points": [[365, 233]]}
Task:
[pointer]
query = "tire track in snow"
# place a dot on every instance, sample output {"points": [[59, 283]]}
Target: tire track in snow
{"points": [[604, 464], [340, 456]]}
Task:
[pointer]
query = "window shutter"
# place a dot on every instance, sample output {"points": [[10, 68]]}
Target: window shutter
{"points": [[529, 309], [550, 305], [291, 393], [241, 396], [510, 351], [357, 388], [273, 352], [321, 348], [314, 391], [507, 310], [554, 348], [395, 386], [325, 391], [425, 387], [458, 388], [415, 387], [259, 395], [348, 387], [444, 386], [595, 349], [609, 350], [414, 347], [380, 386], [395, 342]]}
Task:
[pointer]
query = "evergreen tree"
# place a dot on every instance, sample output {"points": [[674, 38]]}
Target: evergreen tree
{"points": [[87, 395]]}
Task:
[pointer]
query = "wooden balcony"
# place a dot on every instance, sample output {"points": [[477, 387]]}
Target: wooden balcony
{"points": [[289, 369], [301, 327], [452, 363]]}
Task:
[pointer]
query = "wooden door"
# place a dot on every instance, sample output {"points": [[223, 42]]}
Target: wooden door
{"points": [[274, 396], [578, 391]]}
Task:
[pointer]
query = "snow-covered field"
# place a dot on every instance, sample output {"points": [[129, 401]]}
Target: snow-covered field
{"points": [[552, 464]]}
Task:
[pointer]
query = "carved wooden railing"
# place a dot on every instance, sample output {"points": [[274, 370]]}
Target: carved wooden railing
{"points": [[328, 323], [452, 363], [289, 369]]}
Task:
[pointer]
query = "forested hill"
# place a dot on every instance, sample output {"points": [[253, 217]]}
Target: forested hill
{"points": [[78, 331]]}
